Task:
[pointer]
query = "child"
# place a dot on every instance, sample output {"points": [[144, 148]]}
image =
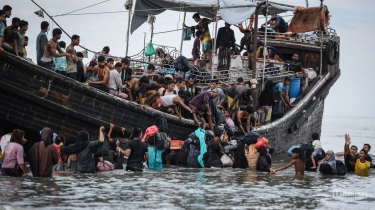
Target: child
{"points": [[298, 162], [60, 139], [317, 146], [105, 165], [80, 68], [170, 89], [259, 116], [61, 64], [196, 47], [19, 38], [25, 43], [2, 28]]}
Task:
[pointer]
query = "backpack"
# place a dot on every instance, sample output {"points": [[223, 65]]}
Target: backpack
{"points": [[250, 138], [192, 161], [162, 124], [340, 168], [306, 150], [165, 90], [161, 141], [278, 109]]}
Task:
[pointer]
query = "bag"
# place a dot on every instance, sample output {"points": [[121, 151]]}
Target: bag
{"points": [[278, 109], [103, 149], [162, 124], [262, 142], [161, 141], [186, 34], [236, 63], [252, 156], [225, 159], [182, 64], [306, 150], [176, 144], [149, 49], [192, 161], [250, 138], [291, 148], [340, 168]]}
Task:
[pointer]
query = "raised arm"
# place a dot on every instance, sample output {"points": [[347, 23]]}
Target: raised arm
{"points": [[101, 135]]}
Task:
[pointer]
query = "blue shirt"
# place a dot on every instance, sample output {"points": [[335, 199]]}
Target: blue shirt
{"points": [[2, 28], [42, 37], [61, 64], [279, 87]]}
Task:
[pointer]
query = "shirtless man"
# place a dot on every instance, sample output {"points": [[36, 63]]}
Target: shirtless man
{"points": [[242, 116], [71, 70], [150, 92], [103, 75], [298, 162], [134, 85]]}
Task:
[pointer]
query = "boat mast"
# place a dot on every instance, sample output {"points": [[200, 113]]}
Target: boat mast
{"points": [[128, 6], [265, 49], [182, 38], [321, 41], [214, 48]]}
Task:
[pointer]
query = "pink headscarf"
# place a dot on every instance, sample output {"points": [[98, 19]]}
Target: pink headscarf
{"points": [[150, 131]]}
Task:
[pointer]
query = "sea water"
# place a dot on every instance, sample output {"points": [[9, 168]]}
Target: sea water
{"points": [[182, 188]]}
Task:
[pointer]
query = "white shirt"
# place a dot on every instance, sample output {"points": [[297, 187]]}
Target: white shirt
{"points": [[4, 142], [115, 81], [317, 144], [167, 101]]}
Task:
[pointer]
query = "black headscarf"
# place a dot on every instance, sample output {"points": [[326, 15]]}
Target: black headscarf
{"points": [[81, 143], [46, 136], [267, 97]]}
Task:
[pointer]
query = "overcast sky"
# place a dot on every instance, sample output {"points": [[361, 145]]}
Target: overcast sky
{"points": [[352, 95]]}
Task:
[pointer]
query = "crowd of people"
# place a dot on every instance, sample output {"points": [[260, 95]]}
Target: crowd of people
{"points": [[153, 149]]}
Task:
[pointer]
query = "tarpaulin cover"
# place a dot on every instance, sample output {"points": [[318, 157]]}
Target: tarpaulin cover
{"points": [[309, 19]]}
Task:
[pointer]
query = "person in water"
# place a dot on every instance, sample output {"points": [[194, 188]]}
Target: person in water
{"points": [[328, 165], [367, 147], [298, 162], [350, 155], [317, 145], [84, 148], [362, 166]]}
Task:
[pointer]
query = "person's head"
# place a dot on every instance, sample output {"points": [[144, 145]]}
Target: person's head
{"points": [[249, 109], [213, 84], [101, 61], [137, 133], [198, 34], [330, 155], [160, 52], [62, 44], [7, 10], [180, 83], [295, 57], [160, 82], [190, 80], [26, 41], [60, 139], [271, 53], [118, 66], [2, 15], [362, 154], [196, 17], [44, 26], [315, 136], [80, 56], [16, 137], [46, 136], [56, 33], [240, 80], [125, 63], [92, 64], [295, 153], [259, 109], [144, 81], [150, 68], [24, 25], [367, 147], [110, 63], [75, 39], [354, 149], [287, 81], [171, 85], [247, 33], [214, 93], [227, 25], [105, 50], [16, 22]]}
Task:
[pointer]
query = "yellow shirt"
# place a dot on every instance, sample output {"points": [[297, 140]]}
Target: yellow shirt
{"points": [[362, 168], [24, 52], [206, 37]]}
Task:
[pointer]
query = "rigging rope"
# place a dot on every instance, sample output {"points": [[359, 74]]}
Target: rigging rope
{"points": [[81, 9]]}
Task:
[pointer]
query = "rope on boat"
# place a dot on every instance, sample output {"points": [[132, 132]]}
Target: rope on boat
{"points": [[81, 9], [49, 86]]}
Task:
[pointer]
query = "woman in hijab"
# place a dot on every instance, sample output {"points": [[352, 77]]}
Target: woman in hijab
{"points": [[84, 149], [43, 155], [14, 163], [328, 166], [266, 99], [264, 161]]}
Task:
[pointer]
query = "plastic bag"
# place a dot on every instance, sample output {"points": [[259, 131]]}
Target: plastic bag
{"points": [[236, 63], [149, 49], [186, 36]]}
